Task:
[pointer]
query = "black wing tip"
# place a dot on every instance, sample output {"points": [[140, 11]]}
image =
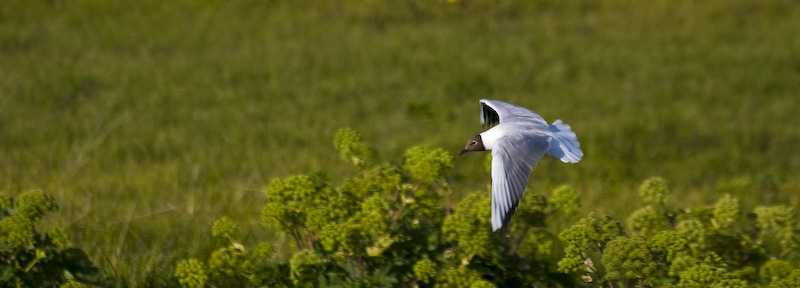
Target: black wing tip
{"points": [[490, 116]]}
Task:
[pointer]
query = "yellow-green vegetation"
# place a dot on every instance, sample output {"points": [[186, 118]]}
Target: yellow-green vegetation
{"points": [[378, 231], [148, 120], [29, 258]]}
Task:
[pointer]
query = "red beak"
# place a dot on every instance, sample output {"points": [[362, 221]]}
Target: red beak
{"points": [[462, 152]]}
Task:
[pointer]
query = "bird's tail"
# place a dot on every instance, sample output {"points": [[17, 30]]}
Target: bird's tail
{"points": [[564, 144]]}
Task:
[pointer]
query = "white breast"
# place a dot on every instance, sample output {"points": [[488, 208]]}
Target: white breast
{"points": [[489, 137]]}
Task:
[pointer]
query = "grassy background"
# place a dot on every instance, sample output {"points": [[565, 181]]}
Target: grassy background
{"points": [[149, 119]]}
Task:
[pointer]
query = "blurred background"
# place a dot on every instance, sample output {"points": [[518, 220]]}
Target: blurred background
{"points": [[149, 119]]}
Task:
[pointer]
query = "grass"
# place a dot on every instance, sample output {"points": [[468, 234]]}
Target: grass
{"points": [[147, 120]]}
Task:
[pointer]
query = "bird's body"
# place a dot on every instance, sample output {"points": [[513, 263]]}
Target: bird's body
{"points": [[517, 143]]}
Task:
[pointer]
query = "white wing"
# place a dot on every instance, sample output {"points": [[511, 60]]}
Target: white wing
{"points": [[493, 111], [512, 161]]}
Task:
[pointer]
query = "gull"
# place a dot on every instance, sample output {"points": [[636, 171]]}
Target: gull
{"points": [[517, 143]]}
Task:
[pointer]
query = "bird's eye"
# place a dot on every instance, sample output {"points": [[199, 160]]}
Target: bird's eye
{"points": [[474, 142]]}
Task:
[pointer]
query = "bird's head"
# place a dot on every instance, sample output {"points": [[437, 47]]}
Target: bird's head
{"points": [[474, 144]]}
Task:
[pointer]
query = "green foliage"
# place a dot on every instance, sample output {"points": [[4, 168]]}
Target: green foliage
{"points": [[543, 245], [427, 163], [695, 232], [348, 142], [567, 199], [425, 270], [726, 213], [386, 226], [654, 191], [793, 280], [469, 224], [263, 251], [693, 247], [288, 201], [655, 215], [291, 206], [647, 221], [6, 203], [461, 277], [705, 275], [229, 266], [776, 228], [31, 259], [306, 267], [34, 204], [389, 226], [224, 227], [585, 240], [775, 269], [16, 232], [670, 243], [58, 236], [627, 258], [191, 273], [72, 284]]}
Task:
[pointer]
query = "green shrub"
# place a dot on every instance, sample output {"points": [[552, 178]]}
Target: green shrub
{"points": [[31, 259], [191, 273], [391, 225]]}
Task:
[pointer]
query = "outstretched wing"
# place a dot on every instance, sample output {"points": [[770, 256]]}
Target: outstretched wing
{"points": [[512, 161], [493, 111]]}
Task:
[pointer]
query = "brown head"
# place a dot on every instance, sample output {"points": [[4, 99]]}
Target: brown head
{"points": [[474, 144]]}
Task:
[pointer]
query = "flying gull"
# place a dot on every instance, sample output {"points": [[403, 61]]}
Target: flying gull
{"points": [[517, 143]]}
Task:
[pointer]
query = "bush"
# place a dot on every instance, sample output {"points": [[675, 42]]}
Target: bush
{"points": [[32, 259], [391, 226]]}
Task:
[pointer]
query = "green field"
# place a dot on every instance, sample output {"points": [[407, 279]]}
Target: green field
{"points": [[148, 120]]}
